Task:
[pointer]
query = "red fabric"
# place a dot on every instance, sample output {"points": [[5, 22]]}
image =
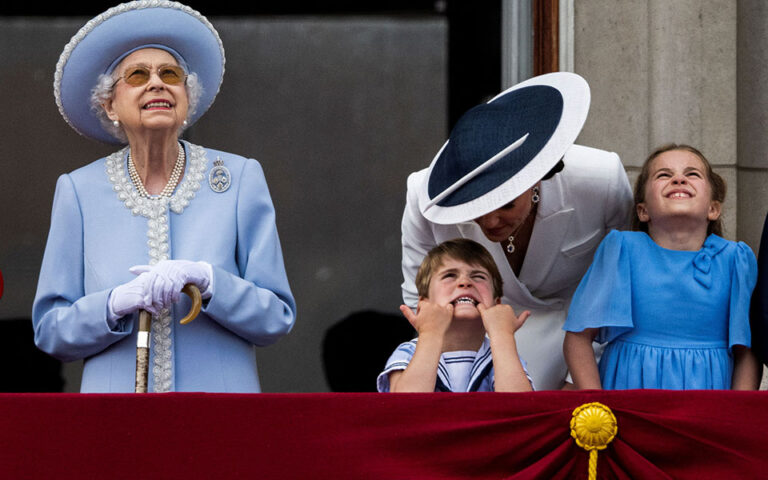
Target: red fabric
{"points": [[371, 436]]}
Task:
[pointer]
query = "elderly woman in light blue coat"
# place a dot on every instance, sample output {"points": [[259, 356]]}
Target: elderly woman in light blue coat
{"points": [[130, 230]]}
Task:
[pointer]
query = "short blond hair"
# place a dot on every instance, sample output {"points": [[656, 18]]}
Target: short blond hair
{"points": [[464, 250]]}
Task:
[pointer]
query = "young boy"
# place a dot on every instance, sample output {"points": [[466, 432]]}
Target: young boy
{"points": [[466, 337]]}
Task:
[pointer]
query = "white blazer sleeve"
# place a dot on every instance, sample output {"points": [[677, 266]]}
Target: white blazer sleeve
{"points": [[417, 240], [619, 202]]}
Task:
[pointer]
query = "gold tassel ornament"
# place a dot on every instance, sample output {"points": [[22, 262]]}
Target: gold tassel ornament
{"points": [[593, 427]]}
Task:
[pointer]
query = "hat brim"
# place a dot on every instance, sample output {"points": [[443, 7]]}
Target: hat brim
{"points": [[576, 99], [107, 38]]}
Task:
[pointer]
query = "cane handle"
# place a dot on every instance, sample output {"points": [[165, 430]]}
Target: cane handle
{"points": [[197, 302]]}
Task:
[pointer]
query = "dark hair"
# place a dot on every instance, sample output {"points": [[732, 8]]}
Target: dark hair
{"points": [[556, 169], [462, 249], [716, 183]]}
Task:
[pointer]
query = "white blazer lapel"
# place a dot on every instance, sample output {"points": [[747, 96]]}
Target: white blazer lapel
{"points": [[552, 223], [514, 287]]}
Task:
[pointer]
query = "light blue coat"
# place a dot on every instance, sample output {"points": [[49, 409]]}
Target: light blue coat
{"points": [[99, 230]]}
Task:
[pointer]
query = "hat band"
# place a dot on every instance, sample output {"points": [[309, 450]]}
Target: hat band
{"points": [[168, 49], [477, 171]]}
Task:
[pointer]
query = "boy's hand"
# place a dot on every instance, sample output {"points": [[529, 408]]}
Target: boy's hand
{"points": [[429, 317], [500, 324], [501, 318], [431, 321]]}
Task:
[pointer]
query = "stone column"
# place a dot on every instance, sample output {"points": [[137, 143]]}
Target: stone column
{"points": [[661, 72], [752, 119], [752, 21]]}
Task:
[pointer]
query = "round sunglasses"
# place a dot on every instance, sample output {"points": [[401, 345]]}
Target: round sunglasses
{"points": [[139, 75]]}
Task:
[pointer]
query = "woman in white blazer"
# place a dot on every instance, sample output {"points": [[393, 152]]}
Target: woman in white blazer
{"points": [[510, 178]]}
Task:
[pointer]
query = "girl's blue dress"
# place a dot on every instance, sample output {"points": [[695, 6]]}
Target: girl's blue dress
{"points": [[670, 317]]}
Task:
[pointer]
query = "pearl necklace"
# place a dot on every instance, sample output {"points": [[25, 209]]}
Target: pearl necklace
{"points": [[172, 181]]}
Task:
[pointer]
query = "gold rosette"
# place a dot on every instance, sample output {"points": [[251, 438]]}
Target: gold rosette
{"points": [[593, 427]]}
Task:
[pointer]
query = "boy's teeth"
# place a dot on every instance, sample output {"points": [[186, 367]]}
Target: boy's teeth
{"points": [[464, 300]]}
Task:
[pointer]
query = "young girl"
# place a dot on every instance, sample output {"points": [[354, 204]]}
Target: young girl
{"points": [[672, 299]]}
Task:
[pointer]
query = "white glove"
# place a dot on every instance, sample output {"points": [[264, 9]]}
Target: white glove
{"points": [[129, 297], [170, 276]]}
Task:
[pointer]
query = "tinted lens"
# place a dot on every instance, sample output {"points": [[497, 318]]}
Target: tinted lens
{"points": [[171, 74], [136, 76]]}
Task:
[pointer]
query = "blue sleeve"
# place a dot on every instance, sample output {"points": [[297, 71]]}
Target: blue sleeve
{"points": [[399, 360], [68, 324], [256, 305], [603, 298], [743, 280]]}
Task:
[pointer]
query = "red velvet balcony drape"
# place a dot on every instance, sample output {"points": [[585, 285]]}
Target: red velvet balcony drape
{"points": [[379, 436]]}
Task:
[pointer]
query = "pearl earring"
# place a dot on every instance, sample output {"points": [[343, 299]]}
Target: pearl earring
{"points": [[116, 123], [185, 123]]}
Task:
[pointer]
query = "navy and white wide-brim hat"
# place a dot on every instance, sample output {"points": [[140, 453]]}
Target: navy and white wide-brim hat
{"points": [[105, 40], [500, 149]]}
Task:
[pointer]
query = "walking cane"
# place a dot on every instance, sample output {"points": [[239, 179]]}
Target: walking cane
{"points": [[142, 343]]}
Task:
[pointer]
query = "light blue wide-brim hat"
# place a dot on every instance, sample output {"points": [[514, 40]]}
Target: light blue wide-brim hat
{"points": [[106, 39], [498, 150]]}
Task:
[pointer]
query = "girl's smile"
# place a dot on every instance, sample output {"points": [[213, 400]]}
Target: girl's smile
{"points": [[678, 187]]}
